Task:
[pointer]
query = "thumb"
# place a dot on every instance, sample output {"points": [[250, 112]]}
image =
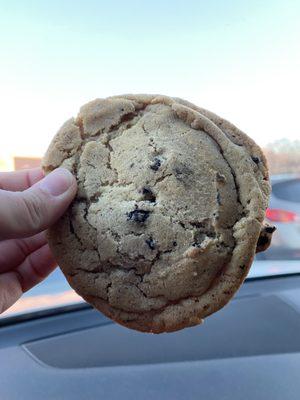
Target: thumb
{"points": [[35, 209]]}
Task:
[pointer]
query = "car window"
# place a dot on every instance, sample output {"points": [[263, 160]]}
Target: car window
{"points": [[239, 59]]}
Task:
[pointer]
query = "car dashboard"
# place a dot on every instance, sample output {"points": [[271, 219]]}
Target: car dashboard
{"points": [[250, 349]]}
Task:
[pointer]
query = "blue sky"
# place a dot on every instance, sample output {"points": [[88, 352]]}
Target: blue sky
{"points": [[239, 59]]}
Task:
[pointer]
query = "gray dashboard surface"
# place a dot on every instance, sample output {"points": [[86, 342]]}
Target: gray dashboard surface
{"points": [[248, 350], [223, 336]]}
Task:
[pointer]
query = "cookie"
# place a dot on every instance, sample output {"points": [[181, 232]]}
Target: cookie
{"points": [[169, 211]]}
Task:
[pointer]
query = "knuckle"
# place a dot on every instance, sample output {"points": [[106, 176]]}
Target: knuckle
{"points": [[34, 211]]}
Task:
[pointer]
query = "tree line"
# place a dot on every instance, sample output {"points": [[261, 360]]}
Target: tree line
{"points": [[283, 156]]}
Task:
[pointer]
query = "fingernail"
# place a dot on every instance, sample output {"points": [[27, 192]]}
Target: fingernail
{"points": [[57, 182]]}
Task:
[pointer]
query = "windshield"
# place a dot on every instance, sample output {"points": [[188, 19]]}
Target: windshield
{"points": [[238, 59]]}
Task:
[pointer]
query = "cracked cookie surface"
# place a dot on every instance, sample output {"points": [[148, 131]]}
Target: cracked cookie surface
{"points": [[169, 210]]}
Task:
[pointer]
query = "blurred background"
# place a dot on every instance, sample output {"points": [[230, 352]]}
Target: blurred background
{"points": [[238, 59]]}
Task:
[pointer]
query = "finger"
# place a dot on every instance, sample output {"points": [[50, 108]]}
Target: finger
{"points": [[36, 267], [14, 251], [31, 272], [10, 290], [25, 213], [20, 180]]}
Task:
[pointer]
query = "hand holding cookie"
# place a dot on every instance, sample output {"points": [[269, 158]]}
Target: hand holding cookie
{"points": [[169, 209], [29, 204]]}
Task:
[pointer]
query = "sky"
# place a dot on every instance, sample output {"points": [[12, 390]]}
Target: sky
{"points": [[239, 59]]}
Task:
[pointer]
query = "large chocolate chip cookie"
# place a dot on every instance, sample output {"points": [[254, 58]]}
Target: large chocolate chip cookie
{"points": [[170, 207]]}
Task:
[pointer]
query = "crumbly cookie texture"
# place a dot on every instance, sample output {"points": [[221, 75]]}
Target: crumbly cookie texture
{"points": [[169, 211]]}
